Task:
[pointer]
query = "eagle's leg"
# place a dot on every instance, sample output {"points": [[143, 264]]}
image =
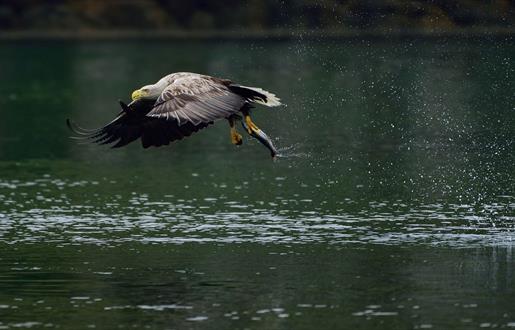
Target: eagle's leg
{"points": [[236, 137], [257, 133]]}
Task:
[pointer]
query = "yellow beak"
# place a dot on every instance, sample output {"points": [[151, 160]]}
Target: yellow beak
{"points": [[137, 94]]}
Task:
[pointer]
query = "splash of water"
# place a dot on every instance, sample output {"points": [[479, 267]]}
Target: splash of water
{"points": [[292, 151]]}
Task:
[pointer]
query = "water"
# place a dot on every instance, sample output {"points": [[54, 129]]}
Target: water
{"points": [[392, 205]]}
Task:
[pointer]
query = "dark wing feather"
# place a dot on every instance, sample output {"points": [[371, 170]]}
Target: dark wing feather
{"points": [[128, 127], [196, 99]]}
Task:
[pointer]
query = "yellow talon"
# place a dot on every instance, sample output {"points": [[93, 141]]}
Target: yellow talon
{"points": [[250, 125], [236, 138]]}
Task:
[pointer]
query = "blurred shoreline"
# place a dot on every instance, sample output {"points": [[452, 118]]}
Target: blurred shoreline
{"points": [[471, 33]]}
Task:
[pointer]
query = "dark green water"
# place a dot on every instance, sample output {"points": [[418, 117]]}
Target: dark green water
{"points": [[392, 206]]}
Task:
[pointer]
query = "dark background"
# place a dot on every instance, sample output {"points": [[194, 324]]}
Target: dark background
{"points": [[256, 15]]}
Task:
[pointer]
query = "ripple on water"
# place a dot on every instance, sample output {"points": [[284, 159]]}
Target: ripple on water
{"points": [[216, 219]]}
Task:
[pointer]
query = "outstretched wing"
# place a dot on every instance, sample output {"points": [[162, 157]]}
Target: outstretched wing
{"points": [[197, 100], [128, 126]]}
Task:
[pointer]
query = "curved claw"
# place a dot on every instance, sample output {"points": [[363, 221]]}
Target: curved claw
{"points": [[261, 137], [236, 138]]}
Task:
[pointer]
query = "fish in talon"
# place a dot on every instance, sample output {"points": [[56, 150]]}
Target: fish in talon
{"points": [[261, 137]]}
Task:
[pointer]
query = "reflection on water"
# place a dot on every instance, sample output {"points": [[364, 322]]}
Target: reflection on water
{"points": [[392, 205], [266, 286]]}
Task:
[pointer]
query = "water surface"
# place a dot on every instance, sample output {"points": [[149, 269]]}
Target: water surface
{"points": [[392, 205]]}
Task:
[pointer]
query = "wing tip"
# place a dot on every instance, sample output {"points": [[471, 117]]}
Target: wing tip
{"points": [[124, 106], [69, 123], [74, 127]]}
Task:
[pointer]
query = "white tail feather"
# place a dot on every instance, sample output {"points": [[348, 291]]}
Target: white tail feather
{"points": [[271, 99]]}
